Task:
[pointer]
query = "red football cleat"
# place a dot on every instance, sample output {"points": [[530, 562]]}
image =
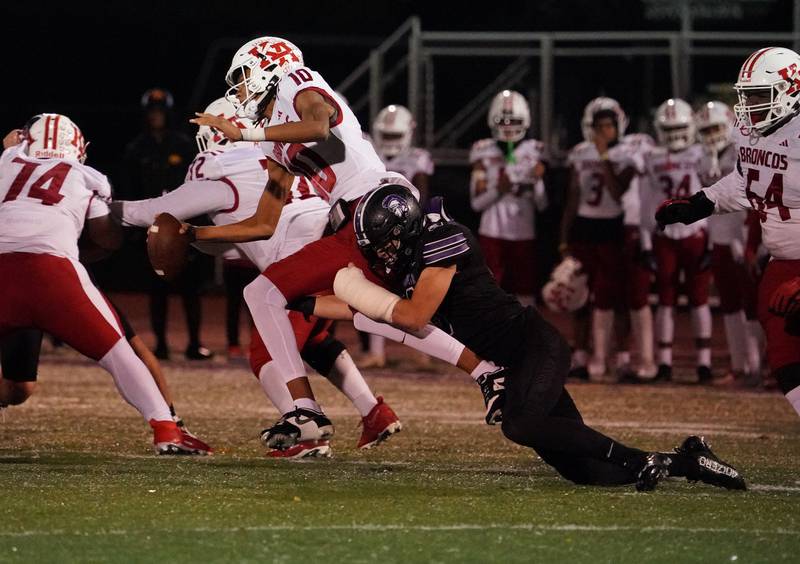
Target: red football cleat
{"points": [[170, 439], [304, 449], [379, 424]]}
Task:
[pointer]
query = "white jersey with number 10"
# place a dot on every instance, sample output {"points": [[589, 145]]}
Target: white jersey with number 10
{"points": [[345, 166]]}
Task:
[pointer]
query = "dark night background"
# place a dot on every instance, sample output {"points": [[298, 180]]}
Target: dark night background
{"points": [[93, 62]]}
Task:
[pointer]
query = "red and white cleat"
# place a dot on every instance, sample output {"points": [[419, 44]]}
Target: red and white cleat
{"points": [[303, 450], [170, 439], [379, 425]]}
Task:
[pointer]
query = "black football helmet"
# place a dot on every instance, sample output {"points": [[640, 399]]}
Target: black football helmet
{"points": [[388, 222]]}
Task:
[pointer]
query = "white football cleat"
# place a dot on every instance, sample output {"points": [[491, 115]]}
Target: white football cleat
{"points": [[298, 425]]}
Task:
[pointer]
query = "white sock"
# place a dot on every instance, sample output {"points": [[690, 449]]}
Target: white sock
{"points": [[268, 309], [701, 323], [602, 323], [579, 358], [431, 340], [346, 376], [307, 403], [134, 382], [794, 398], [665, 332], [484, 367], [642, 325], [623, 359], [377, 345], [754, 340], [736, 335], [273, 385]]}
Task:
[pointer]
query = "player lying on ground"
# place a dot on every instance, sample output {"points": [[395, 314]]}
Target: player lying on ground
{"points": [[439, 268], [314, 134], [766, 179], [48, 195]]}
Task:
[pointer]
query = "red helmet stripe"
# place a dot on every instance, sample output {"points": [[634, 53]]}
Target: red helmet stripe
{"points": [[46, 130], [55, 131], [757, 56]]}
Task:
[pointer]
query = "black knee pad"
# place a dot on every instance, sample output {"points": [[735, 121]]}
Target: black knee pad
{"points": [[788, 377], [19, 355], [321, 356]]}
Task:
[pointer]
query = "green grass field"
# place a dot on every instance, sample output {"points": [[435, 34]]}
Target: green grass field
{"points": [[79, 483]]}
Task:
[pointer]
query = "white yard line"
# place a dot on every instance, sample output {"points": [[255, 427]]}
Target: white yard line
{"points": [[367, 527]]}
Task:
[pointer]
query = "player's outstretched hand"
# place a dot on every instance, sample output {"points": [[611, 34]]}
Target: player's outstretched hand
{"points": [[218, 122], [684, 210], [14, 137], [785, 301]]}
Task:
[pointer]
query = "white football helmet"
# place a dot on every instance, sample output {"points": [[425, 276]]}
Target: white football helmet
{"points": [[210, 139], [54, 136], [774, 74], [568, 288], [715, 122], [259, 65], [601, 104], [509, 116], [393, 130], [674, 124]]}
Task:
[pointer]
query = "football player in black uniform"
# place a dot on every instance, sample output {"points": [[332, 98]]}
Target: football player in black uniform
{"points": [[437, 265]]}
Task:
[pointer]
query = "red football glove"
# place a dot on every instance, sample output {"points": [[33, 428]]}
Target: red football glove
{"points": [[785, 301]]}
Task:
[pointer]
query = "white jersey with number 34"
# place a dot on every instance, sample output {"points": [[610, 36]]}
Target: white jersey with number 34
{"points": [[668, 176], [345, 166], [767, 179], [45, 202]]}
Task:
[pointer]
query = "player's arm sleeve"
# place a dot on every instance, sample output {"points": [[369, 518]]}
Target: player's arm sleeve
{"points": [[482, 189], [193, 198], [446, 246], [728, 193]]}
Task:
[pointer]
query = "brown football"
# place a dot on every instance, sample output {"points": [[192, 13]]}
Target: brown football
{"points": [[167, 247]]}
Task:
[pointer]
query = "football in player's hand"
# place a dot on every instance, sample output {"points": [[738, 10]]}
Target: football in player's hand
{"points": [[167, 247]]}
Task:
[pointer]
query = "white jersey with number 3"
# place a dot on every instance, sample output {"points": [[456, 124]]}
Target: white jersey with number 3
{"points": [[668, 176], [345, 166], [595, 201], [767, 179], [45, 202]]}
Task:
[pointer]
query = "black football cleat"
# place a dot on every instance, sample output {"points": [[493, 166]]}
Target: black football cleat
{"points": [[579, 373], [198, 352], [664, 373], [297, 426], [704, 375], [710, 468], [655, 469], [493, 389]]}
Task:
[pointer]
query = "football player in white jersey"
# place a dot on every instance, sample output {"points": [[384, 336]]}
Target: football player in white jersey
{"points": [[393, 137], [767, 179], [592, 230], [506, 187], [48, 196], [226, 181], [715, 124], [314, 134], [673, 170]]}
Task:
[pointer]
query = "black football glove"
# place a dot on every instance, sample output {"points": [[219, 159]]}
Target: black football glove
{"points": [[684, 210], [705, 261]]}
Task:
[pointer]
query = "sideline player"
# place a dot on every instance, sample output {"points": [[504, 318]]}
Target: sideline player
{"points": [[48, 195], [592, 229], [447, 280], [715, 124], [673, 171], [505, 187], [766, 179]]}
